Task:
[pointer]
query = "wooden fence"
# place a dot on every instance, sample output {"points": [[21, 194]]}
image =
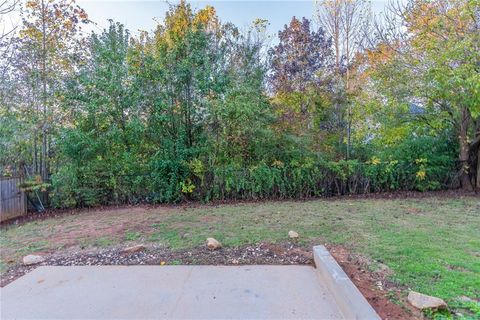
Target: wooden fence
{"points": [[13, 202]]}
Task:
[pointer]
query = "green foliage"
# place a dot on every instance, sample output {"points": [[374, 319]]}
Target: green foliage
{"points": [[112, 156], [184, 113], [417, 163], [34, 185]]}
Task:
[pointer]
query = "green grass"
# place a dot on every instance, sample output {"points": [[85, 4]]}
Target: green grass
{"points": [[103, 242], [432, 245], [132, 235]]}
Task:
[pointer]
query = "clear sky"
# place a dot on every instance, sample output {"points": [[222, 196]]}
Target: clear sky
{"points": [[140, 14]]}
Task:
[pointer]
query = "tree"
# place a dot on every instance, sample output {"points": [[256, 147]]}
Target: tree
{"points": [[299, 73], [347, 22], [300, 58], [105, 147], [197, 109], [438, 52], [240, 118], [181, 48], [49, 29]]}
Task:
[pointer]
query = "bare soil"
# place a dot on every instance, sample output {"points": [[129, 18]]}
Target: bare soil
{"points": [[374, 286]]}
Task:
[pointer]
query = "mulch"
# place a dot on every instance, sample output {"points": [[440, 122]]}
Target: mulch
{"points": [[373, 286]]}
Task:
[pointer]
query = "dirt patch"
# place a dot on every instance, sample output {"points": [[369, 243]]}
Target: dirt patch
{"points": [[65, 231], [374, 286], [104, 213]]}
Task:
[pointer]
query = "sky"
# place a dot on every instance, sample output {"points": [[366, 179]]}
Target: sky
{"points": [[141, 14]]}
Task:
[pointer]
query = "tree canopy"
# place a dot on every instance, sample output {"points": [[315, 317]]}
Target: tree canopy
{"points": [[199, 110]]}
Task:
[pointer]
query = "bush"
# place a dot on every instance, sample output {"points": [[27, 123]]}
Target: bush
{"points": [[424, 163]]}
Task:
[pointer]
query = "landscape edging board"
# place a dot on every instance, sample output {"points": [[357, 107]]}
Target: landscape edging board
{"points": [[351, 301]]}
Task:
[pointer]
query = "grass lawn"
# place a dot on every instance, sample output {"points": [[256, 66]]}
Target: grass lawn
{"points": [[432, 245]]}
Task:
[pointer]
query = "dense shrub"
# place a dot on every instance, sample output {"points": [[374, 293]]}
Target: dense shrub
{"points": [[425, 164]]}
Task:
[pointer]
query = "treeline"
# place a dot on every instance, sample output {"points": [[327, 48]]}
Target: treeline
{"points": [[200, 110]]}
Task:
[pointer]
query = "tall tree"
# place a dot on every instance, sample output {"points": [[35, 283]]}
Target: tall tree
{"points": [[181, 49], [347, 22], [299, 66], [243, 100], [105, 146], [50, 28], [300, 57], [437, 49]]}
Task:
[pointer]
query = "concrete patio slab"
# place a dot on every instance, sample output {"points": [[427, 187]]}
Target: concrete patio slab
{"points": [[177, 292]]}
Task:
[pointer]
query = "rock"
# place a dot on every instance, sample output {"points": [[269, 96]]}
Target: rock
{"points": [[133, 249], [422, 301], [213, 244], [465, 299], [292, 234], [32, 259]]}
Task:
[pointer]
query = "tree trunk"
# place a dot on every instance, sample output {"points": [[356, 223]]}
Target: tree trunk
{"points": [[478, 168], [349, 131], [188, 116], [464, 150], [35, 152], [43, 168], [347, 87], [475, 155]]}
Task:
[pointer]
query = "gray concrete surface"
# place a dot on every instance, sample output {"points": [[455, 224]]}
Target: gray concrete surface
{"points": [[176, 292]]}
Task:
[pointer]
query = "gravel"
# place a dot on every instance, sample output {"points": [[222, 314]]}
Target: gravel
{"points": [[263, 253]]}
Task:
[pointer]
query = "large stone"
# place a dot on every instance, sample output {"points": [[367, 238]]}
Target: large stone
{"points": [[422, 301], [133, 249], [32, 259], [292, 234], [213, 244]]}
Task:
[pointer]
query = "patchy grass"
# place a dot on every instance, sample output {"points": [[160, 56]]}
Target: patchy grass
{"points": [[432, 245], [103, 242], [132, 235]]}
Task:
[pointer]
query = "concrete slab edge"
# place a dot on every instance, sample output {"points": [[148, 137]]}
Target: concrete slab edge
{"points": [[352, 303]]}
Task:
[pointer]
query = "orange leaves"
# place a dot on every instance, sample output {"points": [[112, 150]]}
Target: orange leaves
{"points": [[422, 15], [31, 4], [181, 18], [380, 55], [83, 16], [68, 24]]}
